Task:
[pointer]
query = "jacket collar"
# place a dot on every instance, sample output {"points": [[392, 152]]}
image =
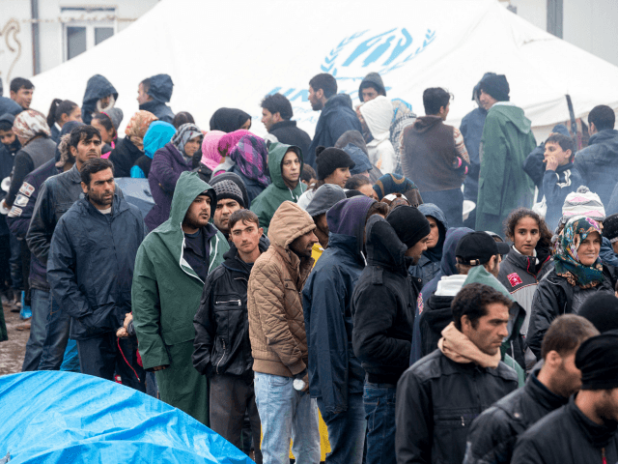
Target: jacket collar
{"points": [[73, 175], [542, 395], [598, 435], [118, 206], [348, 245], [282, 124]]}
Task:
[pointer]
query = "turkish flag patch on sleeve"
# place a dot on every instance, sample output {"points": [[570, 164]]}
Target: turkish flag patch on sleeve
{"points": [[514, 279]]}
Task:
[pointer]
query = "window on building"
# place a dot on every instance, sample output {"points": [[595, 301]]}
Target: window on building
{"points": [[86, 27]]}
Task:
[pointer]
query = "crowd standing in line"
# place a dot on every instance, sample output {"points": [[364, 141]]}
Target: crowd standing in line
{"points": [[326, 298]]}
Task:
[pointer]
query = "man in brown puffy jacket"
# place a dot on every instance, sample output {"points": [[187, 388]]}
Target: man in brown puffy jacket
{"points": [[278, 339]]}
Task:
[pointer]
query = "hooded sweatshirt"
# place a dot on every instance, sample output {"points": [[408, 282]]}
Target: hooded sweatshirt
{"points": [[334, 371], [267, 202], [503, 184], [378, 114], [429, 263], [161, 88], [166, 290], [276, 322], [97, 87]]}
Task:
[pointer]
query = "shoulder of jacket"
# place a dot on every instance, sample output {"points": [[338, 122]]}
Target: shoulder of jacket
{"points": [[428, 367], [503, 371]]}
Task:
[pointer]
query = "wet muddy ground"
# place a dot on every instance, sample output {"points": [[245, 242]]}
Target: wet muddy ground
{"points": [[12, 351]]}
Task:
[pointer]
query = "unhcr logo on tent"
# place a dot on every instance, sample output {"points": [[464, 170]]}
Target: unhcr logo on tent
{"points": [[388, 51], [362, 52]]}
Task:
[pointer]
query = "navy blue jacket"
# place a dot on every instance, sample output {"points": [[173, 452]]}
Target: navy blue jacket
{"points": [[161, 87], [598, 163], [96, 88], [21, 213], [334, 371], [556, 186], [90, 265], [472, 130], [607, 254], [428, 265], [9, 106], [336, 118]]}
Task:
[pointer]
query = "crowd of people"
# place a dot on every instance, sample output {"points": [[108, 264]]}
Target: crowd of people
{"points": [[326, 298]]}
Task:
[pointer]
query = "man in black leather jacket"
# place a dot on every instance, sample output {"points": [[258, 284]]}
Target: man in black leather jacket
{"points": [[440, 395], [222, 349], [493, 434], [56, 196]]}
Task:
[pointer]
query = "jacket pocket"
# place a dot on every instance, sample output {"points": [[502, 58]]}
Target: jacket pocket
{"points": [[450, 428]]}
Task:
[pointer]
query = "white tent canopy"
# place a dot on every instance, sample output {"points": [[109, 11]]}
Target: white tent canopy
{"points": [[235, 52]]}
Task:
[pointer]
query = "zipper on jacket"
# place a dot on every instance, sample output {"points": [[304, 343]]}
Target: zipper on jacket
{"points": [[463, 423], [236, 302], [222, 356]]}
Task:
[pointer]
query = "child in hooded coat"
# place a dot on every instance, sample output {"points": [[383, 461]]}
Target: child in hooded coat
{"points": [[377, 115]]}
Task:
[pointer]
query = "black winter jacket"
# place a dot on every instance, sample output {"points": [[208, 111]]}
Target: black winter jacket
{"points": [[221, 344], [554, 296], [21, 214], [124, 157], [287, 133], [336, 118], [159, 109], [598, 163], [383, 306], [493, 434], [567, 436], [437, 400], [90, 265]]}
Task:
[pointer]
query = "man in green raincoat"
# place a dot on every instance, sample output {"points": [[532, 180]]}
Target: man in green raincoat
{"points": [[285, 163], [171, 266], [507, 141]]}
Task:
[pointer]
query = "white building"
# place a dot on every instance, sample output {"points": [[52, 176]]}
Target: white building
{"points": [[37, 35]]}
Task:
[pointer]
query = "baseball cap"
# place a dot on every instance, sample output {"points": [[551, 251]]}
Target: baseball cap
{"points": [[477, 248]]}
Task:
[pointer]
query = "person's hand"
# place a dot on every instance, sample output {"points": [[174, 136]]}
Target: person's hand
{"points": [[551, 163], [127, 320], [306, 380], [122, 333], [159, 368]]}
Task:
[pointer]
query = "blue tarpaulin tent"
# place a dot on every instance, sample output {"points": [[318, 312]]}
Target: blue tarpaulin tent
{"points": [[63, 417]]}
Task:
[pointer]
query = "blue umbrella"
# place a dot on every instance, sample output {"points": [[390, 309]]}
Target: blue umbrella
{"points": [[136, 192], [53, 417]]}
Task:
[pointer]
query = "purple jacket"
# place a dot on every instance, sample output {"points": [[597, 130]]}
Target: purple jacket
{"points": [[167, 165]]}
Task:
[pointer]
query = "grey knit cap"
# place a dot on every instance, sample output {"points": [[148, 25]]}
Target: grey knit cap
{"points": [[228, 189], [324, 199]]}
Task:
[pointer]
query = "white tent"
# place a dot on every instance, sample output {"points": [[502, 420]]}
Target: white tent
{"points": [[232, 53]]}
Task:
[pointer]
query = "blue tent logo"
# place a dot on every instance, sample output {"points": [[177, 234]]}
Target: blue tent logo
{"points": [[384, 52]]}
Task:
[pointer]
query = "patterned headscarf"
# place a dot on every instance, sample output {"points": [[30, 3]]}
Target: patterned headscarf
{"points": [[138, 126], [30, 123], [185, 133], [229, 141], [211, 156], [250, 155], [567, 259]]}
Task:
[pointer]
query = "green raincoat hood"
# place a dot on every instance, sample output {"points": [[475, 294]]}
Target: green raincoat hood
{"points": [[189, 186], [514, 115], [517, 314], [276, 153], [267, 202]]}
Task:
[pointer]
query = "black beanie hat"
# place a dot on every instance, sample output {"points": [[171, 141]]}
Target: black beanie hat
{"points": [[597, 358], [329, 159], [602, 311], [610, 228], [497, 86], [409, 224]]}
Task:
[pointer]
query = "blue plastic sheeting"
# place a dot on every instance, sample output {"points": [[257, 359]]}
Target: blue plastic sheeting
{"points": [[63, 417]]}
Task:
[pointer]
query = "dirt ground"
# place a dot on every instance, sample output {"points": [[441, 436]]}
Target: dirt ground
{"points": [[13, 350]]}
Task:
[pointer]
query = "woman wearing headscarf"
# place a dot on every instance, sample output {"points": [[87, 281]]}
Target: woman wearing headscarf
{"points": [[428, 265], [578, 273], [129, 149], [37, 147], [230, 120], [159, 133], [226, 144], [394, 183], [211, 156], [250, 158], [167, 165]]}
